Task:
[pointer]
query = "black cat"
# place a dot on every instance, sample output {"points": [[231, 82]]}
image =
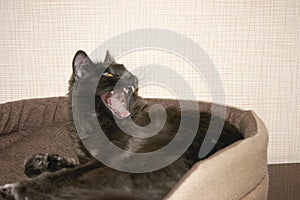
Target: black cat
{"points": [[116, 99]]}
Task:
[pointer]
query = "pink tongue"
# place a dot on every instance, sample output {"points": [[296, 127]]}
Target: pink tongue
{"points": [[116, 104]]}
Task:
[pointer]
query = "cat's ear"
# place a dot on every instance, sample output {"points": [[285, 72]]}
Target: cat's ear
{"points": [[109, 59], [81, 64]]}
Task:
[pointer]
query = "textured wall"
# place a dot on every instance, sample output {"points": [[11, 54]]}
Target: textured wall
{"points": [[254, 45]]}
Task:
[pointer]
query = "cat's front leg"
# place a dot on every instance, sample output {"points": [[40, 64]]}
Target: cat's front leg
{"points": [[39, 163], [46, 185]]}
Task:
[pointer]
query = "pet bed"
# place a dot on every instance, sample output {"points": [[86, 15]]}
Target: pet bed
{"points": [[238, 171]]}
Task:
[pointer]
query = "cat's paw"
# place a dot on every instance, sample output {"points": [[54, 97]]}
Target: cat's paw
{"points": [[8, 192], [39, 163]]}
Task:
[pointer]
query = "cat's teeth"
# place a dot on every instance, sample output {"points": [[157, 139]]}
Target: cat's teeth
{"points": [[111, 92], [132, 88], [125, 90]]}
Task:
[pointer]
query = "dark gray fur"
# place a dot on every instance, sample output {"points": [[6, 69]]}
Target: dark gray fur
{"points": [[91, 179]]}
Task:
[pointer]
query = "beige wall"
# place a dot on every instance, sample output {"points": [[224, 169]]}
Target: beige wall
{"points": [[254, 45]]}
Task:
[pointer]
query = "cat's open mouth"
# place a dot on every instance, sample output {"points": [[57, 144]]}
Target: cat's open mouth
{"points": [[117, 101]]}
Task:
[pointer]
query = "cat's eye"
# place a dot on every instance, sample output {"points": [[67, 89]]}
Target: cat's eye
{"points": [[107, 74]]}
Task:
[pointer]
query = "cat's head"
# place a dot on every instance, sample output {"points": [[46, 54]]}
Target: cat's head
{"points": [[116, 89]]}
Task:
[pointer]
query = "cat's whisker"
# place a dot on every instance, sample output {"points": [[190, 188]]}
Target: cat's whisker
{"points": [[141, 79], [142, 72], [139, 74]]}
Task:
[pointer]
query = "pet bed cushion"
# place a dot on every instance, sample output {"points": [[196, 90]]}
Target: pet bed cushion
{"points": [[237, 172]]}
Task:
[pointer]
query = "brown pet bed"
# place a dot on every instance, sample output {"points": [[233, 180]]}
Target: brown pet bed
{"points": [[236, 172]]}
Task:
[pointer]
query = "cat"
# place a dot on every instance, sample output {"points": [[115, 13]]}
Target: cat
{"points": [[87, 178]]}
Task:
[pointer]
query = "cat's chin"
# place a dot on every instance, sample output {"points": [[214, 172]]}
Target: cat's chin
{"points": [[117, 101]]}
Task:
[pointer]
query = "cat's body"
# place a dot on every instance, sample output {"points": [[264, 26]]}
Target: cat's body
{"points": [[90, 179]]}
